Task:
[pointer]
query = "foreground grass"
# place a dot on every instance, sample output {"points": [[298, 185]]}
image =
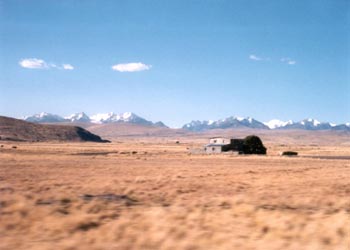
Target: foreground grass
{"points": [[157, 196]]}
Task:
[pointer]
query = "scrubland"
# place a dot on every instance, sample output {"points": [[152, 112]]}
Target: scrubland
{"points": [[142, 194]]}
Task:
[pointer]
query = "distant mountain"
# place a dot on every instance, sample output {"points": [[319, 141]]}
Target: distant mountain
{"points": [[160, 124], [273, 124], [238, 122], [344, 127], [308, 124], [18, 130], [230, 122], [127, 117], [78, 117], [44, 117]]}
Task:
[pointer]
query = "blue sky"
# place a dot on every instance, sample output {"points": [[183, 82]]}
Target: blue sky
{"points": [[177, 60]]}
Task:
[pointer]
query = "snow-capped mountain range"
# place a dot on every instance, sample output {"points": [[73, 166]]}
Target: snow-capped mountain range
{"points": [[44, 117], [230, 122], [239, 122], [127, 117]]}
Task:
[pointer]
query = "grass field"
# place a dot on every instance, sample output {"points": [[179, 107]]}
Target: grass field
{"points": [[147, 195]]}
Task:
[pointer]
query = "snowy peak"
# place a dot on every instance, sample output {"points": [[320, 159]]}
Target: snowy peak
{"points": [[275, 123], [343, 127], [44, 117], [229, 122], [78, 117], [250, 122], [240, 122], [309, 124], [127, 117], [101, 118], [314, 122]]}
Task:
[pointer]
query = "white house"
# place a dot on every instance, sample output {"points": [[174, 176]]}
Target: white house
{"points": [[216, 144], [219, 140]]}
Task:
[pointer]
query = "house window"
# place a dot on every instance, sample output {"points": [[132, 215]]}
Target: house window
{"points": [[215, 141], [213, 149]]}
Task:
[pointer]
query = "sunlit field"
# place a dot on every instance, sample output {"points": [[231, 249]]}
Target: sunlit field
{"points": [[147, 195]]}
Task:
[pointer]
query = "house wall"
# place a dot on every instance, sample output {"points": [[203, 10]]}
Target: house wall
{"points": [[236, 145], [213, 149], [219, 140]]}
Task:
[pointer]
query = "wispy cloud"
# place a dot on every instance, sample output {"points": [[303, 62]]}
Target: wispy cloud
{"points": [[258, 58], [34, 63], [131, 67], [67, 67], [255, 58], [288, 60]]}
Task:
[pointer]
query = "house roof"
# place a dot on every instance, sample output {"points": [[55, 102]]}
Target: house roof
{"points": [[219, 138], [215, 145]]}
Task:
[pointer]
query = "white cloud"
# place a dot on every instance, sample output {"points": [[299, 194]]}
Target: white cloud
{"points": [[288, 60], [131, 67], [255, 58], [67, 67], [33, 63]]}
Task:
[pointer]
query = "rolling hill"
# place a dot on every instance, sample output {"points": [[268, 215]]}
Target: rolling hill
{"points": [[18, 130]]}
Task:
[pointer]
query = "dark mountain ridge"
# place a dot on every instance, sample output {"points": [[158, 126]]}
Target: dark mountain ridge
{"points": [[12, 129]]}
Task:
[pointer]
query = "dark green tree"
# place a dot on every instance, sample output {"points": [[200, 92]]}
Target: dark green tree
{"points": [[252, 144]]}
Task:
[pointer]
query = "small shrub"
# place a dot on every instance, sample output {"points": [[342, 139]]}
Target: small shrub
{"points": [[289, 153]]}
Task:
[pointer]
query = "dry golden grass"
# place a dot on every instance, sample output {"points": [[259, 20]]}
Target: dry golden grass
{"points": [[173, 199]]}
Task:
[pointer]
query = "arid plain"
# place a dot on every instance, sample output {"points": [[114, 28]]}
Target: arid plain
{"points": [[149, 192]]}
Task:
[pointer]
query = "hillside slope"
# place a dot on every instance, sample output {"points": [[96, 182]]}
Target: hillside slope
{"points": [[19, 130], [117, 130]]}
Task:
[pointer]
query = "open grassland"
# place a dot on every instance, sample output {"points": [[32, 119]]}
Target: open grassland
{"points": [[145, 195]]}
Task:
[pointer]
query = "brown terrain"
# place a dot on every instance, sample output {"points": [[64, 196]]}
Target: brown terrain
{"points": [[145, 191], [17, 130]]}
